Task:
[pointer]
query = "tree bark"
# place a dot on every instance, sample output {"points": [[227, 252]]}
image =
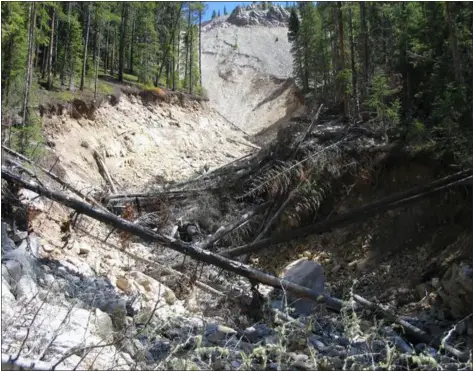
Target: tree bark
{"points": [[51, 48], [29, 63], [132, 54], [84, 61], [200, 48], [454, 43], [341, 46], [191, 48], [365, 59], [97, 63], [121, 51], [353, 64]]}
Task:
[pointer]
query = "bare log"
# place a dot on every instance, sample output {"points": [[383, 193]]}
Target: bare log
{"points": [[177, 245], [103, 170], [316, 117], [54, 177], [410, 329], [119, 196], [224, 230], [358, 214]]}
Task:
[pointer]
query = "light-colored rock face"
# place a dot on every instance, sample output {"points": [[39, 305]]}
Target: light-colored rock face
{"points": [[273, 16], [245, 68]]}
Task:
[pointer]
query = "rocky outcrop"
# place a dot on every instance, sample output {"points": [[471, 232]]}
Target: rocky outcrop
{"points": [[251, 16]]}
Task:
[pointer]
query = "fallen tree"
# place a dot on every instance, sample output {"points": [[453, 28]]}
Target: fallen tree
{"points": [[219, 261], [177, 245], [358, 214]]}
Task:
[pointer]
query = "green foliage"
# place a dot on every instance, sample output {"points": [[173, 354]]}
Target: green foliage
{"points": [[381, 100]]}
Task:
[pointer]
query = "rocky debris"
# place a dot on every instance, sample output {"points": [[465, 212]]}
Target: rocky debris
{"points": [[456, 289], [275, 16]]}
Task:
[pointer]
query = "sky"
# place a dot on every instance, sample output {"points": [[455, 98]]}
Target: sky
{"points": [[230, 5]]}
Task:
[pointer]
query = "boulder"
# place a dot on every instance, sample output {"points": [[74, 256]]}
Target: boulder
{"points": [[306, 273], [456, 289]]}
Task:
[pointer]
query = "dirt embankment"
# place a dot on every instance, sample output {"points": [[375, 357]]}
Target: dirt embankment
{"points": [[143, 136]]}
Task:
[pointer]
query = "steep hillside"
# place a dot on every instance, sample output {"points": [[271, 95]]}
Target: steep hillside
{"points": [[247, 67]]}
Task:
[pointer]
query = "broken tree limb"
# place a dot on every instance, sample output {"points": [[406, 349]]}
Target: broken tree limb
{"points": [[103, 170], [410, 329], [157, 194], [224, 230], [177, 245], [357, 214], [248, 144], [54, 177], [314, 120]]}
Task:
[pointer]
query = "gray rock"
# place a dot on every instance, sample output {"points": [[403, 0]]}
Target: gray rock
{"points": [[7, 243], [20, 236], [216, 333], [160, 349], [274, 16], [257, 332], [26, 288], [317, 344], [104, 325], [305, 273]]}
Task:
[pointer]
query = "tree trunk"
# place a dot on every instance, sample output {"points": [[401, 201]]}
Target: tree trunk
{"points": [[353, 64], [190, 46], [343, 93], [29, 64], [166, 50], [105, 66], [56, 46], [112, 59], [68, 45], [365, 61], [132, 44], [200, 48], [51, 48], [454, 44], [97, 63], [84, 61], [121, 51]]}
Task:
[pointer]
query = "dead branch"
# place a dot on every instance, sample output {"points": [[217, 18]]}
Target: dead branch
{"points": [[103, 170], [410, 329], [358, 214], [177, 245], [158, 194], [224, 230], [54, 177], [316, 117]]}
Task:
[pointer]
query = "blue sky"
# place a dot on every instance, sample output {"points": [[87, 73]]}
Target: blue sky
{"points": [[230, 5]]}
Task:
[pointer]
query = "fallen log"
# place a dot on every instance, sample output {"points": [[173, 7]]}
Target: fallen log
{"points": [[177, 245], [199, 254], [224, 230], [119, 196], [357, 214], [103, 170], [418, 334], [54, 177]]}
